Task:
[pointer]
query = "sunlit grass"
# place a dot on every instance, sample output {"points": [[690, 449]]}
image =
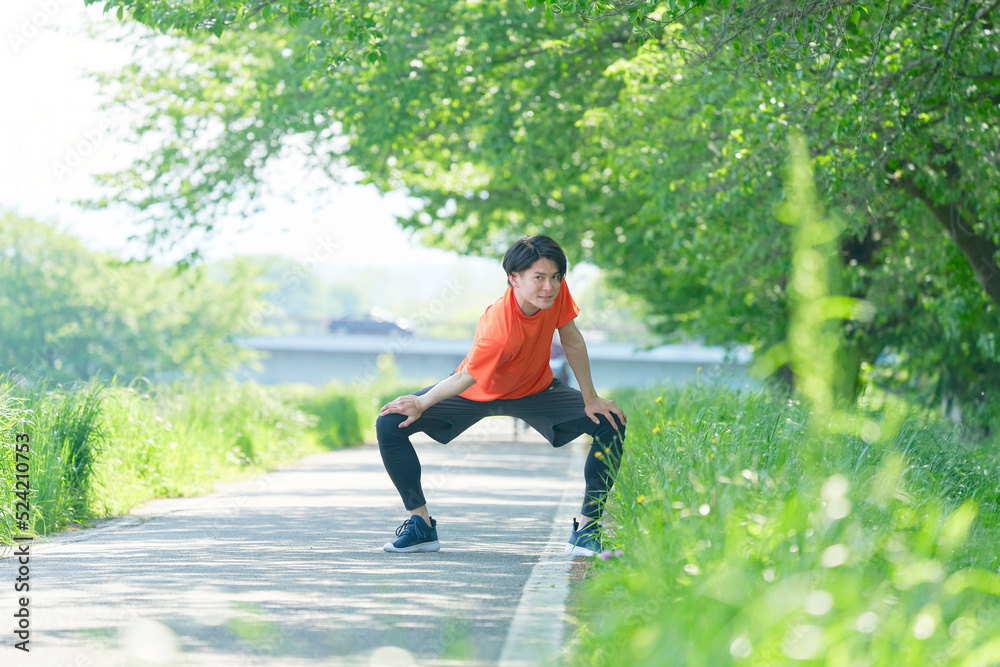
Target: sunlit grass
{"points": [[734, 556], [100, 449], [182, 439]]}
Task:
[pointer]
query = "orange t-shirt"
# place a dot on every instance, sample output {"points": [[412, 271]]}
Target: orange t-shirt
{"points": [[510, 354]]}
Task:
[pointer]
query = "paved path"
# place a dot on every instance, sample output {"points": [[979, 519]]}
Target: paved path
{"points": [[287, 569]]}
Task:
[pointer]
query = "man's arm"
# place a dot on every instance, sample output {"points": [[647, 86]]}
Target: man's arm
{"points": [[576, 354], [413, 406]]}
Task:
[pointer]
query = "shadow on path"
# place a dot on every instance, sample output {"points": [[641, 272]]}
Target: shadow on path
{"points": [[288, 568]]}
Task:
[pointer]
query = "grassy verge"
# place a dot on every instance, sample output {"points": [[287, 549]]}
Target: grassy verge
{"points": [[743, 547], [98, 449]]}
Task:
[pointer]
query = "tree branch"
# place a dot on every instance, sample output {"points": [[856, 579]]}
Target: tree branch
{"points": [[864, 77], [983, 11], [991, 76]]}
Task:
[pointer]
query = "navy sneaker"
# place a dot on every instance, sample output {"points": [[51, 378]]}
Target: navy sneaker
{"points": [[415, 535], [584, 541]]}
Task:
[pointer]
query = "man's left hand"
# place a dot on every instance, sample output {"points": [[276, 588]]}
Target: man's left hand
{"points": [[606, 407]]}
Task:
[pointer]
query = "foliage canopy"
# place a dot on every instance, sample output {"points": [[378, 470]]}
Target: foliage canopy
{"points": [[649, 137]]}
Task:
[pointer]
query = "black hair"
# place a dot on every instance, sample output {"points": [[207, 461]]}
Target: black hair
{"points": [[529, 249]]}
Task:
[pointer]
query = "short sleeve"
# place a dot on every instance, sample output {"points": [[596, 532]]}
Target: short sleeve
{"points": [[483, 360], [569, 309]]}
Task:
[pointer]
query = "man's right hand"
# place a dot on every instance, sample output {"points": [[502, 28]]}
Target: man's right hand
{"points": [[408, 405], [413, 406]]}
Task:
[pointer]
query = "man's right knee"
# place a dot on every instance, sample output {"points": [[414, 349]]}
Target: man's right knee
{"points": [[387, 428]]}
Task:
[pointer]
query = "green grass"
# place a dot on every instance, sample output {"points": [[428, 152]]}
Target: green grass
{"points": [[180, 440], [744, 546], [63, 427], [100, 449]]}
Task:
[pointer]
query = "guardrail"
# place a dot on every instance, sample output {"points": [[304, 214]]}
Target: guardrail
{"points": [[449, 330]]}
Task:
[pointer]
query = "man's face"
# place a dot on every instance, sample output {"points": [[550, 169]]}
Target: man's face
{"points": [[536, 288]]}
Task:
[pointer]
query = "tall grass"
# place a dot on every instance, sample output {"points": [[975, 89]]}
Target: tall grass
{"points": [[11, 416], [99, 449], [180, 439], [66, 430], [731, 556]]}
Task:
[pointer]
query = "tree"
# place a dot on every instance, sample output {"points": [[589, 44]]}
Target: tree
{"points": [[69, 313], [659, 162]]}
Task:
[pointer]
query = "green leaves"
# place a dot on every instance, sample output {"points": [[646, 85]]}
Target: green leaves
{"points": [[71, 314]]}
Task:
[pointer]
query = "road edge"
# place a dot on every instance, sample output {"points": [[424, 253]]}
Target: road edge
{"points": [[535, 636]]}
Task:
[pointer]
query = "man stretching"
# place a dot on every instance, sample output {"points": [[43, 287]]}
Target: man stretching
{"points": [[507, 372]]}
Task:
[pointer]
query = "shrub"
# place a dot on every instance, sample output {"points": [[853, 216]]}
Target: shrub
{"points": [[339, 424]]}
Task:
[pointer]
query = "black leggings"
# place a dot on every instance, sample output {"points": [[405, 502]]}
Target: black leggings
{"points": [[447, 419]]}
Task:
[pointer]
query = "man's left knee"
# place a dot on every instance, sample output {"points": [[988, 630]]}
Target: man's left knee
{"points": [[610, 433]]}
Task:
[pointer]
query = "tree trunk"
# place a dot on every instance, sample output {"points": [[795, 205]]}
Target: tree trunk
{"points": [[979, 250]]}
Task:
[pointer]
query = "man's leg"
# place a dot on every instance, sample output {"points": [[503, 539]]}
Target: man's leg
{"points": [[558, 414], [603, 460], [400, 459], [599, 471], [419, 532], [442, 421]]}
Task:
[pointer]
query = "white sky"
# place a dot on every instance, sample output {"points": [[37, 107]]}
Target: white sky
{"points": [[54, 137]]}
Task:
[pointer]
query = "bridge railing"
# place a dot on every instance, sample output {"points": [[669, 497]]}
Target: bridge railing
{"points": [[634, 333]]}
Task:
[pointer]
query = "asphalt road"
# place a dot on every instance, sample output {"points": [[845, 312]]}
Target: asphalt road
{"points": [[288, 569]]}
